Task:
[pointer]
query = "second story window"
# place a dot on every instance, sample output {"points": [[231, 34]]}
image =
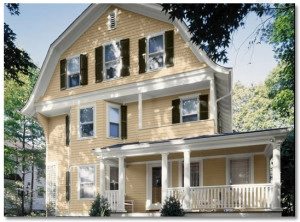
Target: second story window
{"points": [[116, 124], [73, 72], [190, 108], [86, 122], [112, 60], [156, 51]]}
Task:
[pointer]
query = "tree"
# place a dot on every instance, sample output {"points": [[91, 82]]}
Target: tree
{"points": [[251, 109], [25, 140], [17, 62]]}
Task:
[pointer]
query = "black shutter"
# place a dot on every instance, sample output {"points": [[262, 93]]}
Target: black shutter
{"points": [[63, 74], [67, 130], [123, 122], [83, 70], [142, 55], [203, 106], [125, 57], [176, 111], [99, 64], [67, 186], [169, 44]]}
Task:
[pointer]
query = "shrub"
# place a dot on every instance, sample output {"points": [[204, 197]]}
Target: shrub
{"points": [[100, 207], [172, 207]]}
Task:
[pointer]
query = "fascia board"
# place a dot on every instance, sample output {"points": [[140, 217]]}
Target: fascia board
{"points": [[211, 143]]}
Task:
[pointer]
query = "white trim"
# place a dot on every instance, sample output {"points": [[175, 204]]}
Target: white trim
{"points": [[113, 13], [93, 106], [116, 106], [149, 204]]}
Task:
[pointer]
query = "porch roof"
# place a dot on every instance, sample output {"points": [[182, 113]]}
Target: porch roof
{"points": [[203, 142]]}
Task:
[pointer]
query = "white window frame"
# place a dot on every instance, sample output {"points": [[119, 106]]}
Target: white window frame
{"points": [[93, 106], [116, 106], [74, 73], [148, 54], [117, 61], [181, 172], [94, 183], [238, 157], [192, 96]]}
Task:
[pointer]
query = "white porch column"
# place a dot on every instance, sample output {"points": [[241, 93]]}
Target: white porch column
{"points": [[140, 111], [102, 177], [164, 176], [121, 184], [212, 103], [187, 184], [276, 203]]}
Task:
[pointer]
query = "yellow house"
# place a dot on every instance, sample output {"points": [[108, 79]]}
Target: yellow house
{"points": [[134, 111]]}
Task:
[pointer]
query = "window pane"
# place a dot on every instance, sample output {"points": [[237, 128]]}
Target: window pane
{"points": [[87, 190], [113, 70], [86, 174], [86, 115], [73, 80], [239, 171], [156, 44], [114, 115], [73, 65], [87, 130], [189, 106], [114, 130], [189, 118], [114, 178], [112, 52], [156, 61]]}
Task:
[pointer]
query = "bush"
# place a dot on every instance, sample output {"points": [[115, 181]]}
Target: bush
{"points": [[100, 207], [172, 207]]}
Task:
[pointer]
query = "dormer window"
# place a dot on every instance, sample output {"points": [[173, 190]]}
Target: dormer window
{"points": [[112, 20]]}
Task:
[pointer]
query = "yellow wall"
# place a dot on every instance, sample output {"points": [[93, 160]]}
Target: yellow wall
{"points": [[214, 172], [136, 186], [129, 25]]}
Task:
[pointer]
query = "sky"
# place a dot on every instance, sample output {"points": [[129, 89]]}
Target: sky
{"points": [[40, 24]]}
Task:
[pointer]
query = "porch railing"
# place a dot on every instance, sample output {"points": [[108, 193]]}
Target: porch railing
{"points": [[255, 196], [113, 199]]}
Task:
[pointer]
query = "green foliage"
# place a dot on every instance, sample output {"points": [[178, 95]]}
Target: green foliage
{"points": [[172, 207], [100, 207], [17, 62], [252, 109], [288, 175], [12, 199]]}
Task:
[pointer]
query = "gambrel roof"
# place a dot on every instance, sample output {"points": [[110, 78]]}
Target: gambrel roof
{"points": [[222, 75]]}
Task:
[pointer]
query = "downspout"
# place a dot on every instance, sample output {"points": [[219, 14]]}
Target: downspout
{"points": [[225, 96]]}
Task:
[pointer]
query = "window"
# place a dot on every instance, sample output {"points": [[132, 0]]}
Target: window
{"points": [[114, 178], [112, 20], [190, 108], [112, 60], [86, 122], [194, 174], [87, 182], [156, 51], [239, 171], [73, 72], [116, 121]]}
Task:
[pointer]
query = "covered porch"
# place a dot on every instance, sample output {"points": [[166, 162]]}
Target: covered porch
{"points": [[171, 162]]}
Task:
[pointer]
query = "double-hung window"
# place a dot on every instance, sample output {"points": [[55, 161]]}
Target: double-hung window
{"points": [[87, 182], [86, 122], [114, 121], [73, 72], [239, 171], [194, 174], [112, 60], [113, 178], [189, 109], [156, 51]]}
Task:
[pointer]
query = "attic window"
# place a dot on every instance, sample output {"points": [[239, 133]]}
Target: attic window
{"points": [[112, 20]]}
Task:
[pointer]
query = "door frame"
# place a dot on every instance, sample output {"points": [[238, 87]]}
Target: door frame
{"points": [[149, 204]]}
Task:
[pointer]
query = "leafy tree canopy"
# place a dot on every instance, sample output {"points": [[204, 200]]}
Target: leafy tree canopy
{"points": [[17, 62]]}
